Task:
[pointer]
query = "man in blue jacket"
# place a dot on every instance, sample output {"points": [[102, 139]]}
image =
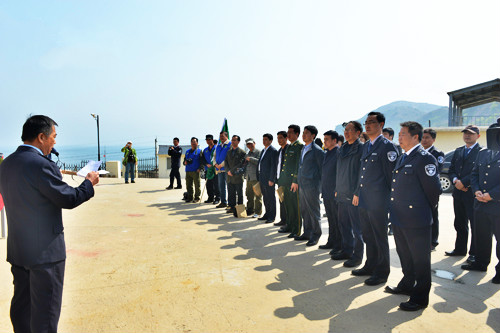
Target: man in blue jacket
{"points": [[192, 161], [377, 162], [220, 155], [415, 193], [34, 195]]}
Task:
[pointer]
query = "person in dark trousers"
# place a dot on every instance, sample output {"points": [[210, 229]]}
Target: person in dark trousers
{"points": [[328, 184], [347, 196], [485, 184], [463, 197], [175, 153], [288, 180], [34, 194], [377, 162], [415, 193], [428, 139], [192, 161], [233, 164], [266, 174], [283, 143], [211, 179], [220, 155], [309, 181]]}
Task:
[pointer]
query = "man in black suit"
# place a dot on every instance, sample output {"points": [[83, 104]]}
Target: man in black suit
{"points": [[34, 194], [266, 174], [415, 192], [283, 143], [463, 198], [175, 153], [377, 162], [309, 181], [428, 139]]}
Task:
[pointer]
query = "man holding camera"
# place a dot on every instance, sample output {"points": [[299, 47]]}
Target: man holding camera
{"points": [[193, 166], [175, 153], [129, 161]]}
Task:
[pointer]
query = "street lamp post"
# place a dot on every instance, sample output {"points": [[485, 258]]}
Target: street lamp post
{"points": [[96, 117]]}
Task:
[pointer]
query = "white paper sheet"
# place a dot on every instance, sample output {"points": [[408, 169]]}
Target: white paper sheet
{"points": [[91, 166]]}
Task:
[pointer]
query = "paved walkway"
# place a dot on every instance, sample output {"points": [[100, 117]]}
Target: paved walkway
{"points": [[141, 260]]}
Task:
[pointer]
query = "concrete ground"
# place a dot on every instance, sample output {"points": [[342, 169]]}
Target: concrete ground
{"points": [[141, 260]]}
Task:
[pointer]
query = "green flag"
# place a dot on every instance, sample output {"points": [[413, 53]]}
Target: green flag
{"points": [[224, 127]]}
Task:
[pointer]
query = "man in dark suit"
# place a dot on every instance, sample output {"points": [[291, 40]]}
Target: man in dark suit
{"points": [[485, 184], [415, 192], [328, 184], [175, 153], [377, 162], [283, 143], [428, 139], [309, 181], [233, 163], [34, 194], [266, 174], [463, 199]]}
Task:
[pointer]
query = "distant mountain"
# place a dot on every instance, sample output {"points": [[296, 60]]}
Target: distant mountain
{"points": [[400, 111]]}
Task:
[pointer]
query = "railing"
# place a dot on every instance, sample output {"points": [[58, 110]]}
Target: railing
{"points": [[478, 120], [77, 166], [147, 168]]}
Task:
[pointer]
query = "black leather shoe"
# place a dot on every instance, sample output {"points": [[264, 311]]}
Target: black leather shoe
{"points": [[326, 246], [454, 254], [312, 242], [361, 272], [471, 259], [352, 262], [262, 218], [496, 279], [292, 235], [269, 221], [178, 187], [335, 251], [221, 205], [410, 306], [341, 256], [283, 231], [169, 187], [397, 291], [474, 267], [208, 201], [375, 280], [216, 202], [301, 238], [280, 223]]}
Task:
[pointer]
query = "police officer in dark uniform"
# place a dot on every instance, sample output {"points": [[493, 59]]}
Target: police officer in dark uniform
{"points": [[485, 184], [428, 139], [377, 162], [415, 192], [463, 198]]}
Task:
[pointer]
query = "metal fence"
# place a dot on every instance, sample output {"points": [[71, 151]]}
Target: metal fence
{"points": [[147, 167], [77, 166], [479, 120]]}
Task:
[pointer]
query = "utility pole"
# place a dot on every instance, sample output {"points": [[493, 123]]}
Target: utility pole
{"points": [[96, 117], [156, 153]]}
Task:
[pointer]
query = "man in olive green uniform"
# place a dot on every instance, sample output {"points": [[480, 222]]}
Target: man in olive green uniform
{"points": [[288, 180], [233, 163]]}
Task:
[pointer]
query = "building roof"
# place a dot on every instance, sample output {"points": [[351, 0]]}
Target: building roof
{"points": [[478, 94]]}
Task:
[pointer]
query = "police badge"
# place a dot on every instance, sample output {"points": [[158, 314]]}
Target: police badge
{"points": [[440, 159], [391, 156], [430, 170]]}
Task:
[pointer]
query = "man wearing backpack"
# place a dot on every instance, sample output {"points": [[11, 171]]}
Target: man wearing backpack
{"points": [[129, 161]]}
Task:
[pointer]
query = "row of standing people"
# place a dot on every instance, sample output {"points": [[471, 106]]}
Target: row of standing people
{"points": [[364, 186]]}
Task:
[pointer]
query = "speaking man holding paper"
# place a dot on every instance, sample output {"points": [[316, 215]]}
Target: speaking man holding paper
{"points": [[34, 195]]}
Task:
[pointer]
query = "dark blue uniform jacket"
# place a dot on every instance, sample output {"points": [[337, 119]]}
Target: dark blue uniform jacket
{"points": [[485, 177]]}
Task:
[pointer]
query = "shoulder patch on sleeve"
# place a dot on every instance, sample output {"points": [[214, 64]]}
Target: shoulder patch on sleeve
{"points": [[386, 141], [440, 159], [430, 170], [392, 155]]}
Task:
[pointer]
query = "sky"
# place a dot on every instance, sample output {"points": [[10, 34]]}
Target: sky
{"points": [[159, 69]]}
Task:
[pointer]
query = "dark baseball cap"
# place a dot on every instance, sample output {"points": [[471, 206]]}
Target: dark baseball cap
{"points": [[471, 129], [209, 137]]}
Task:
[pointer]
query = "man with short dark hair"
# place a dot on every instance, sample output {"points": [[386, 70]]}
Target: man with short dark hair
{"points": [[34, 194], [233, 164], [377, 162], [175, 153], [428, 139], [220, 155], [283, 143], [347, 196], [415, 192], [309, 186], [340, 141], [328, 184], [211, 180], [266, 174], [192, 161], [463, 198], [288, 179]]}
